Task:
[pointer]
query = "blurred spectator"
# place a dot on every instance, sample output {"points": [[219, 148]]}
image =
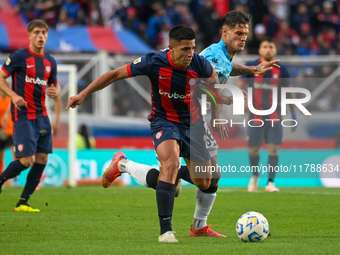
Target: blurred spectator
{"points": [[174, 16], [286, 38], [307, 44], [83, 139], [185, 17], [27, 8], [270, 21], [302, 16], [155, 23], [94, 16], [72, 10], [327, 18], [163, 37], [208, 23], [254, 43], [48, 10], [132, 21], [64, 21]]}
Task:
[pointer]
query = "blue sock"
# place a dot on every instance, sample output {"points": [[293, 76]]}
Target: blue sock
{"points": [[33, 179], [272, 162], [165, 194], [12, 170]]}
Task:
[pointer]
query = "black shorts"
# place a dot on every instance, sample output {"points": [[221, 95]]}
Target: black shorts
{"points": [[32, 136], [191, 139]]}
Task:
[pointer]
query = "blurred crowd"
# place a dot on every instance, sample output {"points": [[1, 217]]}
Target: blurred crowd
{"points": [[299, 27]]}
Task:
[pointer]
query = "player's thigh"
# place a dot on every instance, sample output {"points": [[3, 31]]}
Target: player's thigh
{"points": [[273, 134], [25, 138], [194, 146], [44, 143], [255, 136]]}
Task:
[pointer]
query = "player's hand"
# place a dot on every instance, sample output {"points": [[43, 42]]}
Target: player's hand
{"points": [[74, 101], [52, 91], [18, 101], [266, 66], [227, 100], [221, 129]]}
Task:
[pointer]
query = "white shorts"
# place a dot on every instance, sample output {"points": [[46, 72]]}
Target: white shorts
{"points": [[210, 141]]}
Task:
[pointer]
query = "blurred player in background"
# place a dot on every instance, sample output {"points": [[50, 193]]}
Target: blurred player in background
{"points": [[34, 75], [262, 100], [6, 128], [220, 55]]}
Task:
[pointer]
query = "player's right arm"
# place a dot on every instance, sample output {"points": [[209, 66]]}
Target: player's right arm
{"points": [[98, 84], [17, 100]]}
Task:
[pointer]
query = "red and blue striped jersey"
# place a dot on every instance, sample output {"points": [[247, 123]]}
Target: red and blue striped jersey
{"points": [[173, 87], [262, 89], [30, 75]]}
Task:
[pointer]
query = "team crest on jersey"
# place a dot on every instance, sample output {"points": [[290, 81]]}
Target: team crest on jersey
{"points": [[192, 81], [20, 147], [8, 61], [137, 60], [159, 135], [48, 69]]}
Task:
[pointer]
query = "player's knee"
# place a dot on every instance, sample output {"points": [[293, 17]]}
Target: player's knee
{"points": [[202, 183], [169, 170], [41, 159], [27, 161]]}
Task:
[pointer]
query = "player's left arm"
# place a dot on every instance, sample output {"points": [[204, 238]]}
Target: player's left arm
{"points": [[286, 82], [57, 112], [259, 69], [6, 116], [221, 129]]}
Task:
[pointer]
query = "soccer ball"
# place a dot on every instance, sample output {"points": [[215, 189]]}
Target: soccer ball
{"points": [[252, 227]]}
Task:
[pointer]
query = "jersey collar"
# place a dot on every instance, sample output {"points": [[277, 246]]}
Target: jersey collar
{"points": [[224, 49], [28, 48]]}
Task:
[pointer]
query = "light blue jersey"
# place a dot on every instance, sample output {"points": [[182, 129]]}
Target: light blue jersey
{"points": [[219, 58]]}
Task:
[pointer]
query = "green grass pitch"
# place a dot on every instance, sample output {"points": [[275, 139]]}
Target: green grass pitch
{"points": [[123, 220]]}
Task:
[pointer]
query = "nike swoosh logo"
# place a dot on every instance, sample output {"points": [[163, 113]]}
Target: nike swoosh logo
{"points": [[30, 66], [162, 77]]}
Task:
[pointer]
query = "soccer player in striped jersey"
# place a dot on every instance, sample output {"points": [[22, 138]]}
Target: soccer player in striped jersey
{"points": [[271, 133], [220, 55], [34, 75], [175, 120]]}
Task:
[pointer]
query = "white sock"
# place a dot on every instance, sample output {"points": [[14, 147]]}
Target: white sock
{"points": [[204, 203], [137, 171]]}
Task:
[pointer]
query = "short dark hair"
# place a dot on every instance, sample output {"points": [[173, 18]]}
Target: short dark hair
{"points": [[232, 18], [267, 39], [181, 32], [36, 23]]}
